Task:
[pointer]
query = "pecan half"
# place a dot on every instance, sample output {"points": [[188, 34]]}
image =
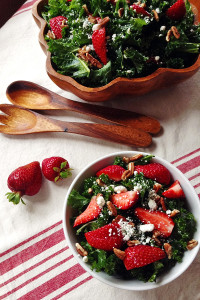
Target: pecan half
{"points": [[133, 243], [192, 244], [174, 213], [81, 250], [126, 175], [119, 253], [93, 61], [168, 250], [175, 32], [111, 208]]}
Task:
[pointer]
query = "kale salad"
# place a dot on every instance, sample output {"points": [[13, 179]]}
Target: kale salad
{"points": [[96, 41], [132, 220]]}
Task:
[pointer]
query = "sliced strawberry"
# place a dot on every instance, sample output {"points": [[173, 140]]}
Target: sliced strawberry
{"points": [[106, 237], [161, 220], [177, 11], [99, 44], [57, 24], [139, 10], [174, 191], [114, 172], [91, 213], [142, 255], [155, 171], [125, 200]]}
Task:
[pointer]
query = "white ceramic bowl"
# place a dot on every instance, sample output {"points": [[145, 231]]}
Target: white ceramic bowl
{"points": [[178, 269]]}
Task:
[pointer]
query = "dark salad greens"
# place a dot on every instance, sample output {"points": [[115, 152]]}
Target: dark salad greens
{"points": [[136, 43], [150, 193]]}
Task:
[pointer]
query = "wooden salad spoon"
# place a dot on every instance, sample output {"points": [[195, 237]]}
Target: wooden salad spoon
{"points": [[18, 120], [30, 95]]}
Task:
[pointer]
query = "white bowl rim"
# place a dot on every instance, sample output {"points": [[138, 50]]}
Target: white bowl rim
{"points": [[86, 267]]}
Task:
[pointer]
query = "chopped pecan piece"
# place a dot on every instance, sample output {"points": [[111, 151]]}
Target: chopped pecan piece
{"points": [[118, 218], [168, 36], [192, 244], [81, 250], [156, 233], [155, 15], [90, 190], [92, 19], [168, 250], [158, 242], [174, 213], [102, 23], [131, 167], [93, 61], [162, 202], [157, 187], [133, 243], [64, 24], [119, 253], [126, 175], [86, 9], [100, 182], [120, 12], [51, 35], [126, 159], [136, 157], [175, 32], [111, 208]]}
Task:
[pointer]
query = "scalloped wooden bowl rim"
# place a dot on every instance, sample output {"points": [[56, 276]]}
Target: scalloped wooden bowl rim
{"points": [[70, 80]]}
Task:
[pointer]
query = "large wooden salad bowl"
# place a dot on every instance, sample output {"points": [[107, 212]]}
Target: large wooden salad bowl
{"points": [[162, 77]]}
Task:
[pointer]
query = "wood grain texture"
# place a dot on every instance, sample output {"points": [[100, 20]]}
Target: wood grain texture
{"points": [[30, 95], [18, 121], [163, 77]]}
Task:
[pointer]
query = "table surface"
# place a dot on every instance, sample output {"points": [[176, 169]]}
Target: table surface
{"points": [[35, 261]]}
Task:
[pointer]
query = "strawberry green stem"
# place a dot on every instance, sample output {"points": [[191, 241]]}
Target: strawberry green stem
{"points": [[15, 197]]}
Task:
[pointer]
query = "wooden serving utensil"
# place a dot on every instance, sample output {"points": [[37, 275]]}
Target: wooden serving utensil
{"points": [[30, 95], [18, 120]]}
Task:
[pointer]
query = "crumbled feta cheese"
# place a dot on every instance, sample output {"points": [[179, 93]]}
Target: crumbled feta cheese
{"points": [[168, 212], [127, 230], [157, 58], [137, 187], [114, 37], [120, 189], [86, 23], [148, 239], [157, 10], [146, 227], [128, 71], [95, 27], [152, 204], [100, 201], [85, 259], [135, 173], [129, 30], [162, 28]]}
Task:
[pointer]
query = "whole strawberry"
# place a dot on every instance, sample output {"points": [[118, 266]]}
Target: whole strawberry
{"points": [[99, 44], [57, 25], [25, 180], [55, 168], [177, 11]]}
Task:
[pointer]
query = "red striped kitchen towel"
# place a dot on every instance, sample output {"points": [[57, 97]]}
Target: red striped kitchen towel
{"points": [[42, 266]]}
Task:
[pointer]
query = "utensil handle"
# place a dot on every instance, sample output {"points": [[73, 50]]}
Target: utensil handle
{"points": [[113, 115], [113, 133]]}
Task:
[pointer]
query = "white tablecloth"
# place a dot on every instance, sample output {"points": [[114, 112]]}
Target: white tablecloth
{"points": [[35, 261]]}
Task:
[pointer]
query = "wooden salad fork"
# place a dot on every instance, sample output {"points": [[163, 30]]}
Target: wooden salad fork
{"points": [[17, 120], [32, 96]]}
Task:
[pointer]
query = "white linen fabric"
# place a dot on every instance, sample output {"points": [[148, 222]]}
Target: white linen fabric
{"points": [[176, 107]]}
